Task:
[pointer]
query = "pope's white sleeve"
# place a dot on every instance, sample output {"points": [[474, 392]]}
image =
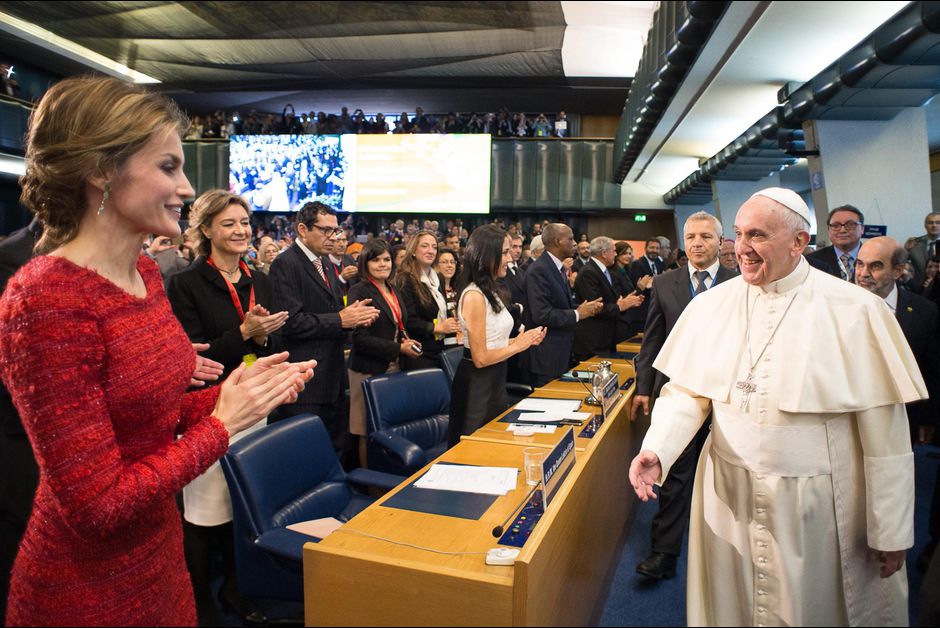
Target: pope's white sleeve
{"points": [[889, 477], [677, 415]]}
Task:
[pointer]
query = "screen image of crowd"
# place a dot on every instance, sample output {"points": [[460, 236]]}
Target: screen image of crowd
{"points": [[280, 173]]}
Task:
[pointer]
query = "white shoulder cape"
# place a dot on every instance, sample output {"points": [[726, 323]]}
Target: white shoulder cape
{"points": [[842, 348]]}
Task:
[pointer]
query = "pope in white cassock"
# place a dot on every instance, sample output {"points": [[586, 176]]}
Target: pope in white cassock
{"points": [[804, 494]]}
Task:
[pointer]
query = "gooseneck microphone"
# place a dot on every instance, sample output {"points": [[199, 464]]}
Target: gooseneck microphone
{"points": [[498, 530]]}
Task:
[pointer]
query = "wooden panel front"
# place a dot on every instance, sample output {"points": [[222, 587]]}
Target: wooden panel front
{"points": [[561, 584]]}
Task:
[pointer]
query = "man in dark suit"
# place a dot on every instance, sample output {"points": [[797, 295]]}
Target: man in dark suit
{"points": [[643, 271], [584, 257], [879, 266], [598, 335], [846, 225], [671, 293], [517, 369], [550, 305], [343, 266], [925, 248], [19, 474], [303, 285]]}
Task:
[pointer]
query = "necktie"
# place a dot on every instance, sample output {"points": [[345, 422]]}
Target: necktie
{"points": [[700, 277], [607, 275], [847, 270], [318, 264], [512, 269]]}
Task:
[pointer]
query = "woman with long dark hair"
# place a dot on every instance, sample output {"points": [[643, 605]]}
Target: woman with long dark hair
{"points": [[479, 391]]}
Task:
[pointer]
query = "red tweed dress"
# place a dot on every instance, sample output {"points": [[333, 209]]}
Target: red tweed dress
{"points": [[99, 377]]}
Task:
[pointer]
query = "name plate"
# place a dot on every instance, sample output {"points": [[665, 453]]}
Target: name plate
{"points": [[611, 394], [557, 465]]}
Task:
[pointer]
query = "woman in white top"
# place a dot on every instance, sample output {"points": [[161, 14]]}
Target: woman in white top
{"points": [[479, 391]]}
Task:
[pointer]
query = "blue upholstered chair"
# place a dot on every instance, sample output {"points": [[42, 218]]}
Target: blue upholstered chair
{"points": [[406, 417], [283, 474]]}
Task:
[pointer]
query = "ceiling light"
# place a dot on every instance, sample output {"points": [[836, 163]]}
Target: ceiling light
{"points": [[12, 165], [59, 45]]}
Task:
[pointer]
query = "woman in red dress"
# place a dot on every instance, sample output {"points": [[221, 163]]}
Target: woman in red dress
{"points": [[98, 366]]}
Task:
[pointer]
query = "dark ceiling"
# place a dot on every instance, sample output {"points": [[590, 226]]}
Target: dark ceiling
{"points": [[380, 56]]}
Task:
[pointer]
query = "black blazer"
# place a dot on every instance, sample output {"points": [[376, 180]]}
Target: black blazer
{"points": [[826, 260], [313, 329], [596, 335], [376, 346], [918, 318], [628, 321], [203, 305], [336, 270], [550, 304], [640, 268], [515, 285], [670, 294], [420, 327]]}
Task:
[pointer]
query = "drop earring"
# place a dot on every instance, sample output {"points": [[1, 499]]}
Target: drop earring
{"points": [[107, 193]]}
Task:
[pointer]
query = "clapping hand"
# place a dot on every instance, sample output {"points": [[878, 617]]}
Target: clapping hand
{"points": [[630, 301], [251, 393], [259, 324], [206, 370], [349, 272], [359, 314]]}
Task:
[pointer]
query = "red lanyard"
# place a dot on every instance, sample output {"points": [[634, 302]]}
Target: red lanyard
{"points": [[392, 301], [231, 288]]}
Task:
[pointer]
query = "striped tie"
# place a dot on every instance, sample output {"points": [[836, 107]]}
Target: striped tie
{"points": [[700, 277], [318, 264]]}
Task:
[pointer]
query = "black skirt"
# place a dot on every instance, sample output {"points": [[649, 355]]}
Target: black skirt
{"points": [[478, 396]]}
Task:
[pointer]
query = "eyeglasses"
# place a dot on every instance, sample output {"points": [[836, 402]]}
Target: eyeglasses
{"points": [[329, 232], [848, 226]]}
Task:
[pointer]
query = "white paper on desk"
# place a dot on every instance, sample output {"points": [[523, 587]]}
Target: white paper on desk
{"points": [[468, 479], [536, 429], [577, 416], [320, 528], [539, 417], [554, 406]]}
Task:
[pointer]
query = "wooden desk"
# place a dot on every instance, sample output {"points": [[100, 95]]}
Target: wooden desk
{"points": [[496, 432], [628, 347], [558, 579]]}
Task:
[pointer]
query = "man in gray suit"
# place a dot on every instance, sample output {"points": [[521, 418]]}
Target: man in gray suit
{"points": [[672, 292], [926, 248]]}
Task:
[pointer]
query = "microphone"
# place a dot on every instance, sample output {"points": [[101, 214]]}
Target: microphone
{"points": [[498, 530]]}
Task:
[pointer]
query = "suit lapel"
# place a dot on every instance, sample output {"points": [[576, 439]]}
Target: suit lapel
{"points": [[682, 287], [311, 270]]}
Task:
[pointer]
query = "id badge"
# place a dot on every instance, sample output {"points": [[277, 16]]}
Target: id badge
{"points": [[249, 359]]}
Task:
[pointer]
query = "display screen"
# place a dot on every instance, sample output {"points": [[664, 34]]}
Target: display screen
{"points": [[422, 174], [279, 173], [425, 174]]}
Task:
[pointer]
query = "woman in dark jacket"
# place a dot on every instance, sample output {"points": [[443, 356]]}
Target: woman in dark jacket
{"points": [[419, 285], [376, 348], [220, 303]]}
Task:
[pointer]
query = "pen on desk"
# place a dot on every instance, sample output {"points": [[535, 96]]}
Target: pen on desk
{"points": [[498, 530]]}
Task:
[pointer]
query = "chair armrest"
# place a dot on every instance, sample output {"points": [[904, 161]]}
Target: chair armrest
{"points": [[520, 389], [403, 450], [366, 477], [285, 544]]}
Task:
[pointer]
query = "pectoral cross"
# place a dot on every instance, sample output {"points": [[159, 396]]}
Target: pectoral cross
{"points": [[747, 387]]}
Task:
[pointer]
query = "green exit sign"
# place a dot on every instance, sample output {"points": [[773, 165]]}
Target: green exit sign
{"points": [[639, 218]]}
